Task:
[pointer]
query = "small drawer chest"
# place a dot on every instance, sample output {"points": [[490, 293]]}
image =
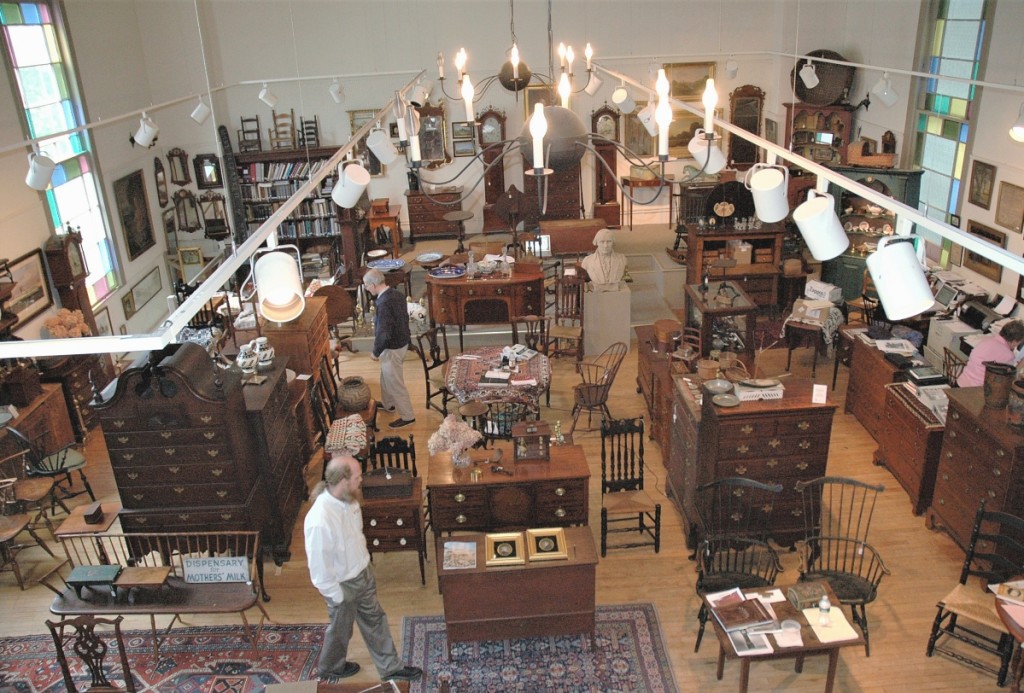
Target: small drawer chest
{"points": [[426, 214], [304, 341], [396, 524]]}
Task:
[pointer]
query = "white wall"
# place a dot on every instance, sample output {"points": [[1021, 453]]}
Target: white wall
{"points": [[134, 53]]}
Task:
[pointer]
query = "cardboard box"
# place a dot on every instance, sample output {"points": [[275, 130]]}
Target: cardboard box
{"points": [[811, 311], [742, 252], [821, 291]]}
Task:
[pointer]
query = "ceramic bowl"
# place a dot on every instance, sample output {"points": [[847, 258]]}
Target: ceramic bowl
{"points": [[486, 267], [718, 386]]}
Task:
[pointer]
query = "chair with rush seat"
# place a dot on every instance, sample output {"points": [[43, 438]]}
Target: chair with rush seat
{"points": [[967, 614], [625, 506]]}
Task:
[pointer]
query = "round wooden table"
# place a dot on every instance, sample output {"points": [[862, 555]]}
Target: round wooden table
{"points": [[460, 217], [1016, 629]]}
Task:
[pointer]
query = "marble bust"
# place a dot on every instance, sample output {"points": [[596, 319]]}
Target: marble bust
{"points": [[604, 266]]}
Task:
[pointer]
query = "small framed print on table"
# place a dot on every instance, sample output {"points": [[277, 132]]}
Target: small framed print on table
{"points": [[463, 130], [505, 548], [546, 544]]}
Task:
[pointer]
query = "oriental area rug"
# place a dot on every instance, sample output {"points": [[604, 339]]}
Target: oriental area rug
{"points": [[629, 656], [192, 660]]}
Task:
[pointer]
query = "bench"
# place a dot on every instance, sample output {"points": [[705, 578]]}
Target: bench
{"points": [[571, 236], [172, 595]]}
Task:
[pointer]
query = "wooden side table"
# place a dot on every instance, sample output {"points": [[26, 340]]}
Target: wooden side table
{"points": [[396, 524], [632, 184], [390, 221]]}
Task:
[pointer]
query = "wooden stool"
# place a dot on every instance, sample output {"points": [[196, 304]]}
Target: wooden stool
{"points": [[459, 217]]}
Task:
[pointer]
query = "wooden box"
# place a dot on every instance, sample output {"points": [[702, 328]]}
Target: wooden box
{"points": [[531, 441]]}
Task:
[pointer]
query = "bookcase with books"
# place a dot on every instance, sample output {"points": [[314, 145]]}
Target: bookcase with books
{"points": [[324, 234]]}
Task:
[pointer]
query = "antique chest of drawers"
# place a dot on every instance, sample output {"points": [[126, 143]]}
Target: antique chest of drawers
{"points": [[192, 448], [776, 441], [982, 458], [74, 373], [538, 494], [426, 214], [395, 524], [654, 383], [304, 341], [865, 393], [909, 442]]}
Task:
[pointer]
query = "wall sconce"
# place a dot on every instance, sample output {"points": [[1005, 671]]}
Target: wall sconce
{"points": [[267, 96], [1017, 131], [352, 181], [884, 91], [278, 283], [40, 169], [145, 136], [336, 91], [381, 146], [200, 113], [899, 279], [809, 75], [622, 100]]}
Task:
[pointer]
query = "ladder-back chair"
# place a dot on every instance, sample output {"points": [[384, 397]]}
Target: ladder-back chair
{"points": [[625, 505]]}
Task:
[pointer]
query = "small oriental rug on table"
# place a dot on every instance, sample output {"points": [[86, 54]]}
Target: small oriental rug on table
{"points": [[192, 660], [630, 656]]}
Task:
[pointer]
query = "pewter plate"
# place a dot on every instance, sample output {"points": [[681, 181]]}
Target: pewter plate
{"points": [[386, 264], [429, 257], [447, 272], [726, 400]]}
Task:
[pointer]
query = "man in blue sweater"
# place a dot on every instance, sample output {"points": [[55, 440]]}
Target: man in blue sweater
{"points": [[390, 344]]}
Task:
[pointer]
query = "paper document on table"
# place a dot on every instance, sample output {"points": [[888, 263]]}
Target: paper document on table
{"points": [[838, 628], [459, 554], [899, 346], [746, 644], [498, 375], [524, 382]]}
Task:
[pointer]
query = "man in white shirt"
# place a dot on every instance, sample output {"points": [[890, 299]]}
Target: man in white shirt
{"points": [[339, 567]]}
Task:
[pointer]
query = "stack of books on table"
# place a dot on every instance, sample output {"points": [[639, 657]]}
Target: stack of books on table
{"points": [[742, 619]]}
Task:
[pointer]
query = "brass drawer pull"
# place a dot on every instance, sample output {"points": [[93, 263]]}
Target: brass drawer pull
{"points": [[142, 520], [991, 494], [774, 443], [174, 470], [138, 496], [128, 456], [773, 463], [559, 491], [118, 423], [997, 472], [184, 517], [460, 497], [802, 466], [133, 476], [741, 470], [743, 449], [169, 451], [952, 434], [373, 522], [955, 415], [213, 453], [123, 439], [222, 494], [179, 490], [747, 429], [460, 519], [1000, 452], [166, 435], [210, 435], [216, 471], [206, 418], [804, 444], [226, 516], [560, 512], [804, 425]]}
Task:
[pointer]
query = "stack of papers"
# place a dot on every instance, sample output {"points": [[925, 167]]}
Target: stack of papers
{"points": [[838, 628], [495, 378], [895, 346]]}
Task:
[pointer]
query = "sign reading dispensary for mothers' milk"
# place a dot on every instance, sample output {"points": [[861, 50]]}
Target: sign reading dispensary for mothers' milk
{"points": [[216, 569]]}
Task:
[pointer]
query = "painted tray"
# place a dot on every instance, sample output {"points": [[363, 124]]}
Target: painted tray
{"points": [[429, 257], [387, 264], [447, 272]]}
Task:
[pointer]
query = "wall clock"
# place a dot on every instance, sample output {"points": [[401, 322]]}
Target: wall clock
{"points": [[492, 127], [65, 260], [605, 122], [491, 133]]}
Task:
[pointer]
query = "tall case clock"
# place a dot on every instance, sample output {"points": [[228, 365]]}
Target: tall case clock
{"points": [[604, 122], [491, 133]]}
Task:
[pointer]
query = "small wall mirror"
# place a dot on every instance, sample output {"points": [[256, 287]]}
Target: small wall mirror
{"points": [[178, 160], [433, 136], [207, 168], [746, 104], [186, 211], [215, 216], [161, 182]]}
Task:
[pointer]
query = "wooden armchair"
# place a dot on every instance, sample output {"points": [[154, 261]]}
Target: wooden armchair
{"points": [[597, 377]]}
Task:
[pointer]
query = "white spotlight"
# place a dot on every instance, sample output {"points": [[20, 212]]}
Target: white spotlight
{"points": [[884, 91], [809, 76], [336, 91], [147, 132], [200, 113], [622, 100], [267, 96], [1017, 131]]}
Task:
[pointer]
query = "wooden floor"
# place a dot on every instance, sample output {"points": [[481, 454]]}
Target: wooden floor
{"points": [[924, 564]]}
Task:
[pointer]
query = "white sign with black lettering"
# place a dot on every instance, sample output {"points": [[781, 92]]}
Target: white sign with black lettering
{"points": [[212, 569]]}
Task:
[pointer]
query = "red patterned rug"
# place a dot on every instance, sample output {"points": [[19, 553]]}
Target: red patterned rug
{"points": [[193, 660], [630, 656]]}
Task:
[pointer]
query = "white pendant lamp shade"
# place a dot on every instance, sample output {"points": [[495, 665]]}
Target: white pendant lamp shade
{"points": [[279, 286], [1017, 131], [147, 132], [267, 96], [820, 227], [381, 146], [809, 76], [769, 185], [623, 101], [352, 181], [884, 91], [899, 280], [40, 169], [200, 113], [647, 118], [706, 153]]}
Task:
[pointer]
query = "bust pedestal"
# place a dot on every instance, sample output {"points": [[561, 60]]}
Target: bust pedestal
{"points": [[606, 318]]}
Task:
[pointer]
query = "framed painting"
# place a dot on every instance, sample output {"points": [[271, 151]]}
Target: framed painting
{"points": [[357, 119], [535, 94], [133, 211], [104, 328], [983, 179], [146, 288], [170, 229], [771, 130], [635, 136], [687, 80], [31, 294], [190, 262], [128, 307], [1010, 206], [546, 544], [982, 265], [464, 147], [684, 125], [463, 130], [505, 548]]}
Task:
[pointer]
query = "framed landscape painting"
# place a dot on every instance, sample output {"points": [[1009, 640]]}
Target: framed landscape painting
{"points": [[687, 80], [982, 265]]}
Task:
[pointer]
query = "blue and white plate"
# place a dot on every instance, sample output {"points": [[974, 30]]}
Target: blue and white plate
{"points": [[387, 264], [447, 272], [429, 257]]}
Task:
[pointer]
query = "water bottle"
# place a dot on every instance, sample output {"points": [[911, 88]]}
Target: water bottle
{"points": [[471, 265], [824, 607]]}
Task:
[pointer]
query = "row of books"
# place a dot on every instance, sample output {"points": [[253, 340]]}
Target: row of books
{"points": [[303, 228], [311, 207], [263, 171]]}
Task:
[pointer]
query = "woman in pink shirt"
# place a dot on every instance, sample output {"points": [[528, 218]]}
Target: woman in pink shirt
{"points": [[1000, 348]]}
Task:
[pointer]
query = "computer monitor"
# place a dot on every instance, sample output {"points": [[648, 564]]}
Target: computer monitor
{"points": [[945, 294]]}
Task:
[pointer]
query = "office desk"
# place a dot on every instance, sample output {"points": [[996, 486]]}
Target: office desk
{"points": [[536, 599], [538, 494], [630, 183]]}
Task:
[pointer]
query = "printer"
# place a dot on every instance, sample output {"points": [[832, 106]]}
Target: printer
{"points": [[978, 315]]}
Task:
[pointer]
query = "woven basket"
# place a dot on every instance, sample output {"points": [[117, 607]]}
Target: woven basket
{"points": [[834, 81]]}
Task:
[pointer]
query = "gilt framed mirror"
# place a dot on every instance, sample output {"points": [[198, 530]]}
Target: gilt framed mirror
{"points": [[177, 159], [186, 211], [433, 136], [215, 216], [207, 168], [161, 182], [746, 105]]}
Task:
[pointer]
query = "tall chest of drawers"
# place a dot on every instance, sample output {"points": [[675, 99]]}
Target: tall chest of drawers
{"points": [[305, 340], [426, 214], [982, 457], [192, 449], [870, 372], [909, 444], [777, 441]]}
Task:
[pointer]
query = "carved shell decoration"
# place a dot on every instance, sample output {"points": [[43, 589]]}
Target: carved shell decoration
{"points": [[725, 209]]}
